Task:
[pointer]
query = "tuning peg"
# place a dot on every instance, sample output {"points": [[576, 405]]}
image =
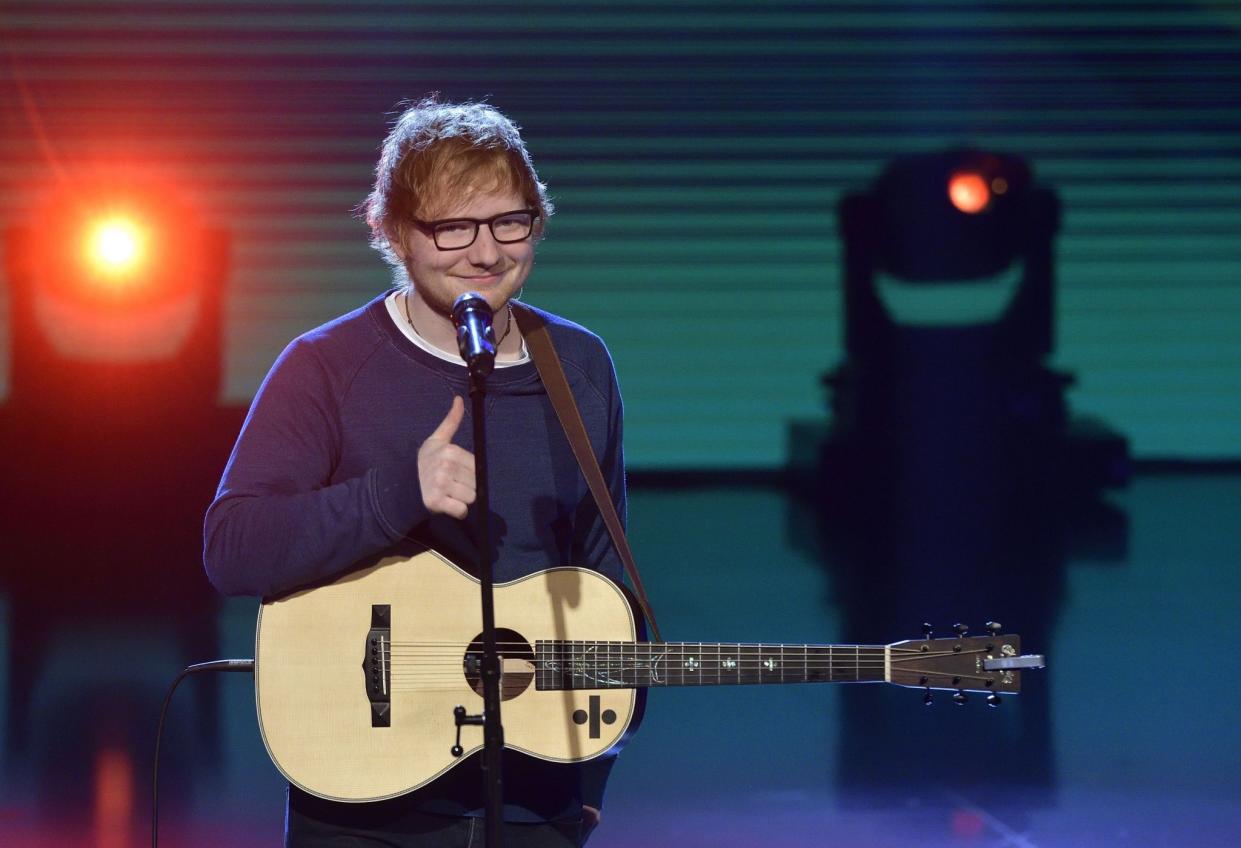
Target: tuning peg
{"points": [[928, 699], [960, 698], [993, 700], [995, 627], [961, 629], [927, 629]]}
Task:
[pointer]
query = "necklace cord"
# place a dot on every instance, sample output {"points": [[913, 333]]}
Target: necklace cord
{"points": [[508, 326]]}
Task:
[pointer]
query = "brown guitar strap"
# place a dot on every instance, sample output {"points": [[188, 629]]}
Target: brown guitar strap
{"points": [[551, 372]]}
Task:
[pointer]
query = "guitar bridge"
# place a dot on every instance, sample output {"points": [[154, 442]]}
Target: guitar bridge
{"points": [[377, 665]]}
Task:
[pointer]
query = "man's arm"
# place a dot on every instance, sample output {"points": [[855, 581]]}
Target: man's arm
{"points": [[278, 520]]}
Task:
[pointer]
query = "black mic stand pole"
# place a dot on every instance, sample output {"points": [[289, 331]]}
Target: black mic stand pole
{"points": [[493, 730], [471, 316]]}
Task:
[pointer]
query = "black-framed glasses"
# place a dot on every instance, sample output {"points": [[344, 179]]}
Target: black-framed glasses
{"points": [[456, 233]]}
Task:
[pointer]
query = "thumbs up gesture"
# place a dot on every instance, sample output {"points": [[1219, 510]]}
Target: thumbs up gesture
{"points": [[445, 470]]}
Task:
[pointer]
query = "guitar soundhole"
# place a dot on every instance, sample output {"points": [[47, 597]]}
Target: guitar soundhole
{"points": [[516, 663]]}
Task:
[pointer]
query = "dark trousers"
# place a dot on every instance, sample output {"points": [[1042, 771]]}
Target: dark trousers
{"points": [[421, 830]]}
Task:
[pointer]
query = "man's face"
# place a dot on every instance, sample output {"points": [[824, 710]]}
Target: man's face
{"points": [[494, 270]]}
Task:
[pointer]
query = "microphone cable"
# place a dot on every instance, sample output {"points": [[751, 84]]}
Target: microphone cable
{"points": [[214, 665]]}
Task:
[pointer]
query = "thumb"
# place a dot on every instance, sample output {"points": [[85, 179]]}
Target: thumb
{"points": [[448, 427]]}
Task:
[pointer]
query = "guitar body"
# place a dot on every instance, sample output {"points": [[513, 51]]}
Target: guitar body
{"points": [[311, 687]]}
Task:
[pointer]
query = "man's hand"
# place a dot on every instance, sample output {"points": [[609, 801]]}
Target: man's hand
{"points": [[446, 471]]}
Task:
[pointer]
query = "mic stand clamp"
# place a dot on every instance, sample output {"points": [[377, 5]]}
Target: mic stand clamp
{"points": [[461, 720]]}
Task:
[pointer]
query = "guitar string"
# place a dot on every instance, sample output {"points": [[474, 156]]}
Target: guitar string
{"points": [[431, 666], [618, 671], [456, 679], [678, 673], [785, 658], [450, 672], [406, 669], [604, 656], [673, 645], [659, 649], [621, 674], [402, 660], [642, 646], [789, 662], [601, 659], [600, 650], [970, 682], [682, 647]]}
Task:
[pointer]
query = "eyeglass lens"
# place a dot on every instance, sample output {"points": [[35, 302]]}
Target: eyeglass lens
{"points": [[515, 226]]}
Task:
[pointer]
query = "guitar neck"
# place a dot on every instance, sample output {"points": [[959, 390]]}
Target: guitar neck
{"points": [[567, 664]]}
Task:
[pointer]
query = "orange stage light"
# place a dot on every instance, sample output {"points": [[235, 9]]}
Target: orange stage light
{"points": [[116, 248], [969, 192], [116, 245]]}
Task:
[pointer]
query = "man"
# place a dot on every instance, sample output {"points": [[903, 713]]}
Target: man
{"points": [[356, 442]]}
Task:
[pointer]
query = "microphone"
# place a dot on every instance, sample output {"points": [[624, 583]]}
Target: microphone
{"points": [[471, 315]]}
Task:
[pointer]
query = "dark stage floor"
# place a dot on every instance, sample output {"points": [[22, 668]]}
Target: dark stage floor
{"points": [[1132, 737]]}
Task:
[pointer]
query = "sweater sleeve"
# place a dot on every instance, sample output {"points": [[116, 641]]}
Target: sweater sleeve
{"points": [[279, 520]]}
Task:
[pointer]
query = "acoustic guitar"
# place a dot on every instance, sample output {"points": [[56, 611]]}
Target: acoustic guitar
{"points": [[356, 681]]}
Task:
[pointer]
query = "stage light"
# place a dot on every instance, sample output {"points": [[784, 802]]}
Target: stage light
{"points": [[116, 249], [962, 215], [124, 246], [969, 192], [113, 270]]}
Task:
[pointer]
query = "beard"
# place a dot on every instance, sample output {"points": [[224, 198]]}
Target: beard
{"points": [[439, 296]]}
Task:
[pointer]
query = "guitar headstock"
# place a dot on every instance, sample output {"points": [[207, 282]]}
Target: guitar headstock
{"points": [[991, 664]]}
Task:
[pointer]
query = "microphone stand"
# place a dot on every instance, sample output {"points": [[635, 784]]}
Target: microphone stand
{"points": [[472, 317], [493, 730]]}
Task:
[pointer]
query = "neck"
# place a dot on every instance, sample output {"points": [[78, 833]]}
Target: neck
{"points": [[625, 665], [438, 330]]}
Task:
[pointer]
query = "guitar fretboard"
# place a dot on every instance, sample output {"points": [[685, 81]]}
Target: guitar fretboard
{"points": [[566, 664]]}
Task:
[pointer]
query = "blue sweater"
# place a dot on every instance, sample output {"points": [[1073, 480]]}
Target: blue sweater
{"points": [[324, 475]]}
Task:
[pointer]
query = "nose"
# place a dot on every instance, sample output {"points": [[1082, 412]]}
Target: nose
{"points": [[485, 251]]}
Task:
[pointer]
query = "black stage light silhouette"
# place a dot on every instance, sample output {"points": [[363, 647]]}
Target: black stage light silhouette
{"points": [[952, 480], [949, 292], [112, 438]]}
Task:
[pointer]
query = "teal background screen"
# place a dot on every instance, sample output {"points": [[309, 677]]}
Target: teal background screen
{"points": [[696, 152]]}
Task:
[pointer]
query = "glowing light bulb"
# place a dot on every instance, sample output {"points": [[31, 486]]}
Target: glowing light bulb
{"points": [[969, 192], [115, 247]]}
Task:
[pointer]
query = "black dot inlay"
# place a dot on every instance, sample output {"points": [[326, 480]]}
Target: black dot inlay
{"points": [[579, 717], [609, 716]]}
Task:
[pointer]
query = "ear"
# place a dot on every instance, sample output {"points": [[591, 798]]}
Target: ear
{"points": [[396, 240]]}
